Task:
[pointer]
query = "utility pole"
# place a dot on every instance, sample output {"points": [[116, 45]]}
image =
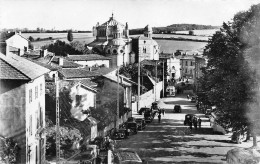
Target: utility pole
{"points": [[155, 80], [138, 89], [163, 78], [57, 121], [117, 97]]}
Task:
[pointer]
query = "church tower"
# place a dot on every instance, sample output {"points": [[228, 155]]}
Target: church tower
{"points": [[148, 31]]}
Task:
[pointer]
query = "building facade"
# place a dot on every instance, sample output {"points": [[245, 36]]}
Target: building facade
{"points": [[22, 99], [187, 68], [145, 47], [12, 42]]}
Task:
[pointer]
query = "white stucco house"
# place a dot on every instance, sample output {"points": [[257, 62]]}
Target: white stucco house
{"points": [[12, 42]]}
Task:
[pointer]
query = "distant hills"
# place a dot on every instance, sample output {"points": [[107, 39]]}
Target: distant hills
{"points": [[173, 28]]}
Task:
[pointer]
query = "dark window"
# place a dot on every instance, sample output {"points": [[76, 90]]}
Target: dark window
{"points": [[114, 51], [78, 99]]}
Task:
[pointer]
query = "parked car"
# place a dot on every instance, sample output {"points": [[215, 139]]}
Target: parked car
{"points": [[148, 116], [142, 110], [188, 118], [140, 123], [193, 99], [132, 127], [131, 119], [208, 113], [120, 134], [238, 137], [177, 109]]}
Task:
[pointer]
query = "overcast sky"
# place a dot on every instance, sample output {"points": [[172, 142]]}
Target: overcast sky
{"points": [[84, 14]]}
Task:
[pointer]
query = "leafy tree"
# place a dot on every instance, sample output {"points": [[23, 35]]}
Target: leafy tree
{"points": [[191, 32], [31, 38], [61, 48], [229, 80], [68, 135], [9, 151], [70, 36]]}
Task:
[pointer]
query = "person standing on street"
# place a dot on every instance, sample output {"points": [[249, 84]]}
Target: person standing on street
{"points": [[199, 122], [159, 117], [188, 97], [190, 123], [195, 122], [163, 112]]}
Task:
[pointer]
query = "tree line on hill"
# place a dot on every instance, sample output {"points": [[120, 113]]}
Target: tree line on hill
{"points": [[173, 28]]}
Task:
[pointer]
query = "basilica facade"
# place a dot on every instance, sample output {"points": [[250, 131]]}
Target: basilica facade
{"points": [[112, 40]]}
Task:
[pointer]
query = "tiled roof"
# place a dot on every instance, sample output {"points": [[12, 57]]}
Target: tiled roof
{"points": [[5, 35], [88, 57], [88, 82], [25, 67], [66, 63], [9, 72], [70, 73], [148, 62], [114, 78], [104, 70]]}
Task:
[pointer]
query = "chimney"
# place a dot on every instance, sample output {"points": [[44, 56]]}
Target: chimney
{"points": [[60, 61], [45, 52]]}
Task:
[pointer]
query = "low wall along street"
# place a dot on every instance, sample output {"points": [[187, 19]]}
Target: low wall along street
{"points": [[148, 98]]}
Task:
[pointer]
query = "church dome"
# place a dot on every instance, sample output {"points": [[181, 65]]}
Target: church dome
{"points": [[118, 29], [112, 22], [117, 42]]}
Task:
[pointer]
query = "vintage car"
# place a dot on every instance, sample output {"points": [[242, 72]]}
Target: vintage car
{"points": [[120, 133], [148, 116], [193, 99], [177, 109], [142, 110], [188, 118], [131, 127], [140, 123], [238, 137]]}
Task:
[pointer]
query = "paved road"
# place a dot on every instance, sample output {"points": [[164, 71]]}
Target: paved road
{"points": [[171, 142]]}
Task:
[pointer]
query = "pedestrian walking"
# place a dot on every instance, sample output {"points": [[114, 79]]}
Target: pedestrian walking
{"points": [[159, 118], [190, 124], [163, 112], [188, 97], [199, 122], [195, 123]]}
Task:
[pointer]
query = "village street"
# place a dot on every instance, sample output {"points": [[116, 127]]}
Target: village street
{"points": [[172, 142]]}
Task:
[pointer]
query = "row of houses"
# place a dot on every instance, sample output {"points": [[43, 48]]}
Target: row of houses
{"points": [[27, 78], [184, 67]]}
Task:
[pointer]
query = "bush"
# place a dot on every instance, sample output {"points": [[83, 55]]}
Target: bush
{"points": [[31, 38], [191, 32]]}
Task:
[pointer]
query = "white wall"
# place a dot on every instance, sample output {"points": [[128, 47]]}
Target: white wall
{"points": [[88, 100], [18, 42], [148, 98], [94, 62], [33, 110]]}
